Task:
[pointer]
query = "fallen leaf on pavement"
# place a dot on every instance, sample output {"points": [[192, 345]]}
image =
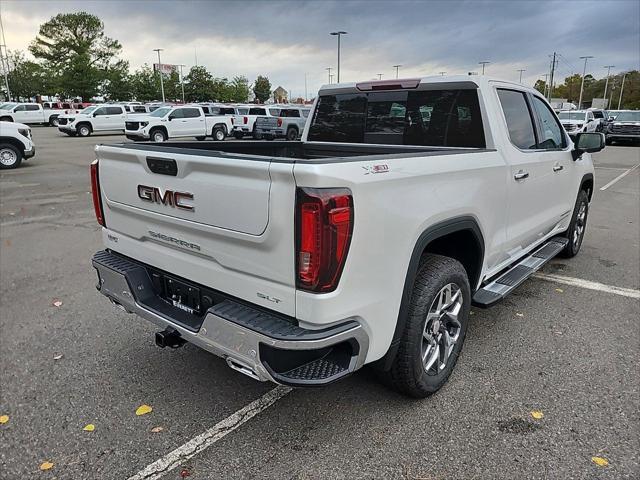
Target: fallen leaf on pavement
{"points": [[46, 466], [157, 429], [58, 357], [601, 462], [520, 314], [559, 290], [537, 414], [143, 410], [184, 473], [4, 419], [89, 428], [57, 303]]}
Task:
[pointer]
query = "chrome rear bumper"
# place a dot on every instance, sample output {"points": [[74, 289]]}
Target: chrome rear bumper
{"points": [[252, 341]]}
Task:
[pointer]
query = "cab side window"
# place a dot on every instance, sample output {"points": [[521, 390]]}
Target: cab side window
{"points": [[32, 108], [178, 113], [100, 111], [191, 112], [114, 110], [518, 117], [20, 108], [552, 136]]}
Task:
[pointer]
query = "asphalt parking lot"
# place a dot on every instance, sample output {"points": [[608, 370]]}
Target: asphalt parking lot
{"points": [[567, 346]]}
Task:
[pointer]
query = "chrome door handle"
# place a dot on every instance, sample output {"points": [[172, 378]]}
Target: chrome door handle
{"points": [[521, 175], [557, 168]]}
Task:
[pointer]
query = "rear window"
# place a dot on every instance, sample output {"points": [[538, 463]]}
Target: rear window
{"points": [[114, 110], [290, 113], [431, 118], [190, 112], [226, 111], [243, 111], [274, 112], [257, 111]]}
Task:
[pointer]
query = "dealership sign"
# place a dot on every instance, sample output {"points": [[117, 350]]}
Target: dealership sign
{"points": [[164, 68]]}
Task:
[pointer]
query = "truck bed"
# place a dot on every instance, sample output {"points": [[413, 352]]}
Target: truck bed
{"points": [[295, 152]]}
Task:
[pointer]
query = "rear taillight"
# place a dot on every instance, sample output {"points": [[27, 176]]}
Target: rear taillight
{"points": [[95, 192], [324, 223], [279, 122], [245, 120]]}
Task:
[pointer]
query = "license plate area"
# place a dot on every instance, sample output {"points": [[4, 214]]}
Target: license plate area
{"points": [[182, 295]]}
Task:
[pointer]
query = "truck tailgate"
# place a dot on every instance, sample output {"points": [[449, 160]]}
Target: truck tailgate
{"points": [[204, 217], [267, 122]]}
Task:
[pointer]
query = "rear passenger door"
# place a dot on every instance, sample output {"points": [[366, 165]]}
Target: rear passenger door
{"points": [[193, 122], [532, 189], [115, 118]]}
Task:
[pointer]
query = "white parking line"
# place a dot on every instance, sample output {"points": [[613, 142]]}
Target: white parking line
{"points": [[203, 441], [619, 177], [578, 282]]}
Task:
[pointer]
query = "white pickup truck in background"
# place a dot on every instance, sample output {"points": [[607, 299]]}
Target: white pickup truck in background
{"points": [[244, 124], [96, 118], [29, 114], [289, 123], [176, 122], [365, 243]]}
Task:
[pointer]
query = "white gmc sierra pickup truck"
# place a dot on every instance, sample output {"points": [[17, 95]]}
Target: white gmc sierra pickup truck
{"points": [[366, 242]]}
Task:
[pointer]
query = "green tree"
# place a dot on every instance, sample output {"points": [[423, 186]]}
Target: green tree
{"points": [[199, 85], [26, 78], [262, 89], [220, 90], [118, 83], [145, 85], [541, 86], [172, 87], [75, 45], [239, 89]]}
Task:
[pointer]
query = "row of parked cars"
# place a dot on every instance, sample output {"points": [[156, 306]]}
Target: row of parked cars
{"points": [[161, 121], [617, 125]]}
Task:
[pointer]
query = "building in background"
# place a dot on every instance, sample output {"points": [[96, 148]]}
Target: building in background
{"points": [[280, 95]]}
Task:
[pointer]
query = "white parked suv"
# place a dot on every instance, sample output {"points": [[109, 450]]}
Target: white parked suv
{"points": [[176, 122], [97, 118], [406, 202], [28, 113], [16, 144], [578, 121]]}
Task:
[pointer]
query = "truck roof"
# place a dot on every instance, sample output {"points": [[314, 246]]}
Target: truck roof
{"points": [[415, 82]]}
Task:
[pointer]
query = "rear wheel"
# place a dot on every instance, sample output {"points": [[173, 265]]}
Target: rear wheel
{"points": [[292, 134], [200, 139], [53, 121], [435, 327], [10, 156], [238, 135], [218, 134], [83, 130], [256, 135], [578, 226]]}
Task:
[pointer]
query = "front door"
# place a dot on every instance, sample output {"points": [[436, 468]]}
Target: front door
{"points": [[531, 190]]}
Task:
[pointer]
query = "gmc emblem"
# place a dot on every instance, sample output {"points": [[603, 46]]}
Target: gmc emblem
{"points": [[169, 197]]}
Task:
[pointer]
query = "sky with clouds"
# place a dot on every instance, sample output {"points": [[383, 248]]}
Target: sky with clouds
{"points": [[287, 39]]}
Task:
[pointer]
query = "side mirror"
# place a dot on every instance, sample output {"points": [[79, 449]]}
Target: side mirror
{"points": [[610, 119], [170, 117], [590, 142]]}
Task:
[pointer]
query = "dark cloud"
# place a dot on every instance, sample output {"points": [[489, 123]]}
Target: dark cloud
{"points": [[422, 36]]}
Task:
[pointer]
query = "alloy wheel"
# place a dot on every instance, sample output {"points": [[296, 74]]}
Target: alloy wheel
{"points": [[441, 329], [8, 157]]}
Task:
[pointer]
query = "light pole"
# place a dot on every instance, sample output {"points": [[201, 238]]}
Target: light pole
{"points": [[397, 67], [521, 70], [338, 34], [483, 64], [606, 84], [328, 69], [160, 71], [380, 76], [182, 81], [584, 71], [621, 89]]}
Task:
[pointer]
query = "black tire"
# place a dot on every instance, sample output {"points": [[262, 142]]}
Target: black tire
{"points": [[256, 135], [157, 135], [238, 135], [408, 373], [6, 119], [71, 134], [292, 134], [268, 136], [83, 130], [200, 139], [218, 134], [608, 141], [10, 156], [53, 121], [577, 227]]}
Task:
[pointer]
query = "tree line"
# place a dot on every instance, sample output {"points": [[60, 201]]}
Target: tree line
{"points": [[75, 59], [594, 88]]}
